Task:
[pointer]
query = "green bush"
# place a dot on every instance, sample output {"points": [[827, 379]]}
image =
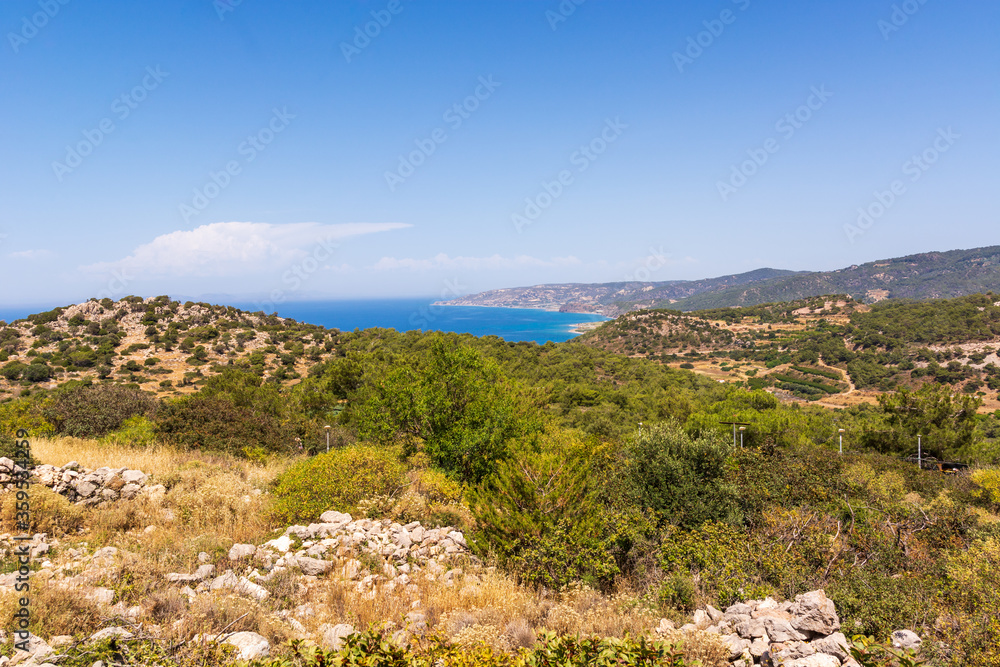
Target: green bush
{"points": [[682, 479], [337, 481], [218, 423], [137, 431], [95, 410], [539, 514]]}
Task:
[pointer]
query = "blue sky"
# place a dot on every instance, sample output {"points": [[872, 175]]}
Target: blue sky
{"points": [[275, 151]]}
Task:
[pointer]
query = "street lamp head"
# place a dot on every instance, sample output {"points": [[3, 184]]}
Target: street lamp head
{"points": [[840, 430], [743, 428], [327, 427]]}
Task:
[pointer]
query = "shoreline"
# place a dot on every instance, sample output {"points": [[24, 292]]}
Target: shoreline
{"points": [[584, 327]]}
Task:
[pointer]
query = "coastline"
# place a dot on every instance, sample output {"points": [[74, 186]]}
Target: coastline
{"points": [[553, 308], [584, 327]]}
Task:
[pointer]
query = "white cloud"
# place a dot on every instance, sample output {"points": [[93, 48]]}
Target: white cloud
{"points": [[29, 254], [494, 262], [235, 248]]}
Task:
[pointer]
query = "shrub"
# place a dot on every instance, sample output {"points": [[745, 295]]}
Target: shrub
{"points": [[218, 423], [539, 513], [23, 414], [682, 479], [93, 411], [337, 481], [137, 431]]}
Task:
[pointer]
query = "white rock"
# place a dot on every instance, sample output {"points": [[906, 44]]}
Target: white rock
{"points": [[247, 587], [113, 631], [332, 636], [281, 544], [134, 477], [249, 645], [238, 551], [906, 639], [814, 612], [204, 572], [352, 569], [102, 595], [338, 518], [313, 566], [833, 645], [816, 660]]}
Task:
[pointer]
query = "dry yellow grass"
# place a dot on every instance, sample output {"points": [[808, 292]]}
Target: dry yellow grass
{"points": [[156, 460]]}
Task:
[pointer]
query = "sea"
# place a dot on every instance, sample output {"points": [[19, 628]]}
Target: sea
{"points": [[510, 324]]}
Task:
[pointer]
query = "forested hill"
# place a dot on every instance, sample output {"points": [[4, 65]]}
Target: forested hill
{"points": [[833, 349], [930, 275]]}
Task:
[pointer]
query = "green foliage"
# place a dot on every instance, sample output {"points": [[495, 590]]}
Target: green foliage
{"points": [[234, 411], [724, 559], [453, 399], [91, 411], [24, 414], [682, 479], [869, 653], [538, 512], [373, 648], [947, 421], [136, 431], [337, 481], [219, 423], [971, 598]]}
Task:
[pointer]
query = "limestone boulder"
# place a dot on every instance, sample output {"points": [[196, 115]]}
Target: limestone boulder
{"points": [[814, 612]]}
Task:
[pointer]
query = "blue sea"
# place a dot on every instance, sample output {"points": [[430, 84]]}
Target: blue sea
{"points": [[511, 324]]}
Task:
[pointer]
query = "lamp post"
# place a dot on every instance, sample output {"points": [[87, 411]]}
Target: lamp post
{"points": [[919, 452], [840, 431], [327, 428], [742, 428]]}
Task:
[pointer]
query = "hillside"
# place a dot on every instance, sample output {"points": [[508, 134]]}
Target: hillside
{"points": [[930, 275], [832, 349], [164, 346]]}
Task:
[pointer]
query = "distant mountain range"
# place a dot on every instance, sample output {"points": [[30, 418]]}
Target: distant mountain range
{"points": [[929, 275]]}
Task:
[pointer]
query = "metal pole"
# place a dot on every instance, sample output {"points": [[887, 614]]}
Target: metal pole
{"points": [[918, 452], [840, 431], [734, 436], [742, 428], [327, 438]]}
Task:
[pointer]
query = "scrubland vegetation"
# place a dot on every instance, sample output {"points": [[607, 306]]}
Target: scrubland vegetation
{"points": [[601, 492]]}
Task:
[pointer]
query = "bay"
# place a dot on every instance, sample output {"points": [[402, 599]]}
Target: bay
{"points": [[511, 324]]}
